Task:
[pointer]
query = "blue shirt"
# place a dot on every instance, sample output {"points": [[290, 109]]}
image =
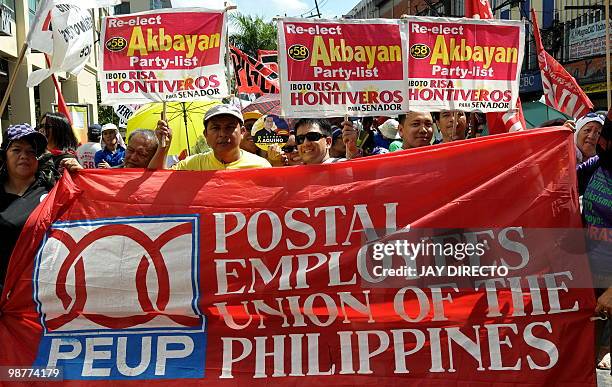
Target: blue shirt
{"points": [[112, 158]]}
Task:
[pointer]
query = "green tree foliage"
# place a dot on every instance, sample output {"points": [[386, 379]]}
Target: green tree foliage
{"points": [[106, 114], [252, 34]]}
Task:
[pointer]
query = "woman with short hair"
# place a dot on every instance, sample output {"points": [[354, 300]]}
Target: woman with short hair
{"points": [[22, 185]]}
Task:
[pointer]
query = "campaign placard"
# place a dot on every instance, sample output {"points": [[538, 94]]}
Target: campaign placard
{"points": [[331, 68], [163, 55], [463, 64]]}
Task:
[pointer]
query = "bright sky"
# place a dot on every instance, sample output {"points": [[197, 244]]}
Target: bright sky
{"points": [[270, 8]]}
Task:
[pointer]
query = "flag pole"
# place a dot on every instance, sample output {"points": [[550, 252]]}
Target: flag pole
{"points": [[608, 85], [12, 80]]}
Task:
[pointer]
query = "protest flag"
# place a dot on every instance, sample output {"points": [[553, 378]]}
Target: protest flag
{"points": [[252, 75], [269, 58], [510, 121], [42, 40], [561, 91]]}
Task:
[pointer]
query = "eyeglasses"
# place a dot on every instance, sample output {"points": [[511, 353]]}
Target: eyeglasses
{"points": [[310, 136], [289, 148]]}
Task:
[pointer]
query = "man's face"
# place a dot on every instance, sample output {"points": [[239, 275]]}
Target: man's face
{"points": [[338, 149], [312, 152], [247, 143], [452, 125], [139, 152], [224, 133], [248, 124], [269, 123], [416, 130]]}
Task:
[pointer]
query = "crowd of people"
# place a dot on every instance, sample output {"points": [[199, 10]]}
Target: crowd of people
{"points": [[32, 160]]}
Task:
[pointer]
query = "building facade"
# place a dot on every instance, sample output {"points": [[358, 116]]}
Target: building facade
{"points": [[28, 104]]}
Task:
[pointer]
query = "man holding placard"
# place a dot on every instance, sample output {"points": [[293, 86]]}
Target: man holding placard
{"points": [[223, 130]]}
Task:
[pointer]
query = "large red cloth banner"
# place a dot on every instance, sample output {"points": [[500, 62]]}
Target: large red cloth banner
{"points": [[256, 278], [561, 91]]}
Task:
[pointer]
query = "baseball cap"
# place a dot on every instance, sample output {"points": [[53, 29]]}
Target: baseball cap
{"points": [[336, 132], [252, 115], [109, 126], [25, 132], [95, 129], [222, 109]]}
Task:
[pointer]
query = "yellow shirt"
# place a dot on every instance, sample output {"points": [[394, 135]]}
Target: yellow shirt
{"points": [[208, 162]]}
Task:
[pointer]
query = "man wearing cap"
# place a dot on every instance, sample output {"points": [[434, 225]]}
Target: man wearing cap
{"points": [[86, 152], [338, 147], [22, 185], [113, 150], [223, 130], [248, 142]]}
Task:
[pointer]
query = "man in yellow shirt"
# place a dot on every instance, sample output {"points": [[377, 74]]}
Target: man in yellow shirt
{"points": [[223, 130]]}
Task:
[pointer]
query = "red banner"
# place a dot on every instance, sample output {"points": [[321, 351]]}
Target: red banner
{"points": [[163, 55], [291, 278], [332, 68]]}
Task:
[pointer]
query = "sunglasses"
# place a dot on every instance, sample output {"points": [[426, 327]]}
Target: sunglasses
{"points": [[289, 148], [310, 136]]}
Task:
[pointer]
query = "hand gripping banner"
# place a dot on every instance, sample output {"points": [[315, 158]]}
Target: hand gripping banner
{"points": [[432, 266], [163, 55]]}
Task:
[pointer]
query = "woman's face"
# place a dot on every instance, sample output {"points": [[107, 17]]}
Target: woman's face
{"points": [[21, 160], [588, 137], [45, 128], [109, 137]]}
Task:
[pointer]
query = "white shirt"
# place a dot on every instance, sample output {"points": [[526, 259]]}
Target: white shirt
{"points": [[86, 152]]}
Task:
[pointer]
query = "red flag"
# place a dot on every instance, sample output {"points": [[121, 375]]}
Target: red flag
{"points": [[561, 91], [269, 58], [61, 103], [513, 120], [253, 76], [478, 9]]}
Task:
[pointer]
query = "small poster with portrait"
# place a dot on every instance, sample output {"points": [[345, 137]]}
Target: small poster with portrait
{"points": [[269, 130]]}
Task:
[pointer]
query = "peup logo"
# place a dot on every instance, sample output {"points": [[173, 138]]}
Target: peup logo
{"points": [[118, 298]]}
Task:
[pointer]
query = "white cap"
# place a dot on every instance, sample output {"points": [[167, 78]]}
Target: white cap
{"points": [[218, 110], [590, 117], [389, 129], [109, 126]]}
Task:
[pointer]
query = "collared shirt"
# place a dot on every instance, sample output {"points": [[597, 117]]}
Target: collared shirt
{"points": [[208, 162], [112, 158]]}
